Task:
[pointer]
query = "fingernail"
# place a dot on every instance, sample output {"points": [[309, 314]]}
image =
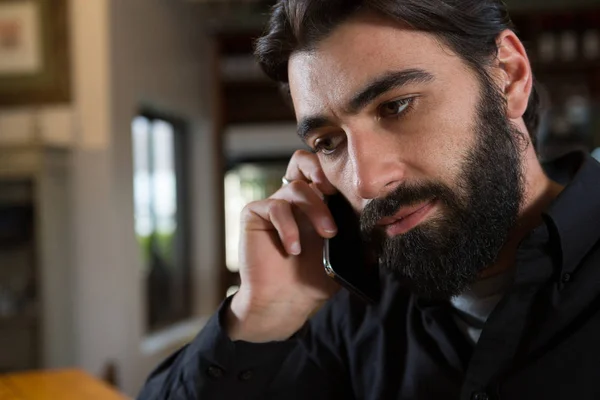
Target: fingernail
{"points": [[319, 193], [295, 248], [329, 226]]}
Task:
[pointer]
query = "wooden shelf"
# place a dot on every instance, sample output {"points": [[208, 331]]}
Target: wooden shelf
{"points": [[26, 318], [255, 102], [572, 67]]}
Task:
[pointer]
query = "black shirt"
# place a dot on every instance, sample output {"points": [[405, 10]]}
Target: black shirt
{"points": [[542, 341]]}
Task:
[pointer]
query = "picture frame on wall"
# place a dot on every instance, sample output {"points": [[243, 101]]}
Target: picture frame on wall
{"points": [[34, 54]]}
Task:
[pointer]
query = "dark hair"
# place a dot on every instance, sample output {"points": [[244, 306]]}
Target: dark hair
{"points": [[469, 27]]}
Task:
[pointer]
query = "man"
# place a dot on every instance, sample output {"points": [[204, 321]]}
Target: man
{"points": [[422, 114]]}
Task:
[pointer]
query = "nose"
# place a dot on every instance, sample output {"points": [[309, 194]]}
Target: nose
{"points": [[376, 164]]}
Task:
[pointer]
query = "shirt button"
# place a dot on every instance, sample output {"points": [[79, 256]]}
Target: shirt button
{"points": [[566, 278], [480, 396], [246, 375], [215, 372]]}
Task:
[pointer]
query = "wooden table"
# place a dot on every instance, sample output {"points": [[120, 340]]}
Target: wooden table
{"points": [[55, 385]]}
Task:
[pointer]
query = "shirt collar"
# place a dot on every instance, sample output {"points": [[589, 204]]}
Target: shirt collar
{"points": [[575, 213]]}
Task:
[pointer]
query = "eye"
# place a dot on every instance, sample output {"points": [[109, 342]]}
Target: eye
{"points": [[395, 108], [328, 144]]}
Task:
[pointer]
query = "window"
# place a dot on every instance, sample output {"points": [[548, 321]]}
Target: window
{"points": [[161, 216], [246, 181]]}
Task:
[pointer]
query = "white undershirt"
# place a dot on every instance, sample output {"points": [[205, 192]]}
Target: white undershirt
{"points": [[475, 305]]}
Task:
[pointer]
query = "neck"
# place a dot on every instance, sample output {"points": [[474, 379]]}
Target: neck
{"points": [[539, 192]]}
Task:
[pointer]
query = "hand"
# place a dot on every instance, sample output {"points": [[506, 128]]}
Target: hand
{"points": [[282, 277]]}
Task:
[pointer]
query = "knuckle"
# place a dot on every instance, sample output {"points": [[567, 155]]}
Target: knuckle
{"points": [[301, 154], [276, 206], [320, 175], [297, 185], [248, 210]]}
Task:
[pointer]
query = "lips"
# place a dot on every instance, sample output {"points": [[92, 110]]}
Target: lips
{"points": [[407, 218], [403, 213]]}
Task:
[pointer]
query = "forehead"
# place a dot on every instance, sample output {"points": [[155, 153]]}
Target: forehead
{"points": [[359, 50]]}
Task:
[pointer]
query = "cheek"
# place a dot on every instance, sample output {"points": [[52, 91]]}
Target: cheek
{"points": [[337, 173], [439, 138], [445, 151], [341, 175]]}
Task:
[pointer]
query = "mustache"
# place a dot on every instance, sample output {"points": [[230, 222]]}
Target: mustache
{"points": [[404, 195]]}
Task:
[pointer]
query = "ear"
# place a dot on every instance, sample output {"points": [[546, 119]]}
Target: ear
{"points": [[515, 76]]}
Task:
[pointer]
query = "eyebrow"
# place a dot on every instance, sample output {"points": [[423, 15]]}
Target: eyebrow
{"points": [[374, 89], [385, 83], [310, 124]]}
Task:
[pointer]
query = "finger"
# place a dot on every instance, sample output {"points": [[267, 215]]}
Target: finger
{"points": [[305, 166], [274, 214], [282, 218], [315, 189], [302, 196]]}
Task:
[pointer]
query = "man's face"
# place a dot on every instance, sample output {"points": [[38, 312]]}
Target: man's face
{"points": [[417, 144]]}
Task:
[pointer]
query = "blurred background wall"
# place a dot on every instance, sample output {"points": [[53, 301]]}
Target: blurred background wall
{"points": [[124, 56]]}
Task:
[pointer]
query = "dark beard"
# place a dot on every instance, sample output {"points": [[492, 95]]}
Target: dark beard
{"points": [[441, 257]]}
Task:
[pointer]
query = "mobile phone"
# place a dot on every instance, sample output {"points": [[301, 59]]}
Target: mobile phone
{"points": [[346, 256]]}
